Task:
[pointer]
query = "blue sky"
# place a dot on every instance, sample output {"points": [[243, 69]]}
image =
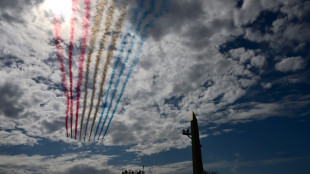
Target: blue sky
{"points": [[241, 66]]}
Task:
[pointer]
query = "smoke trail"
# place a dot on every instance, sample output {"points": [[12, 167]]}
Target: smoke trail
{"points": [[81, 61], [124, 43], [94, 33], [145, 14], [72, 23], [115, 36], [135, 61], [60, 60], [101, 47]]}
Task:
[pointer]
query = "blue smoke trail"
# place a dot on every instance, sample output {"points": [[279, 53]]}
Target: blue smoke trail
{"points": [[135, 61], [124, 43], [145, 14]]}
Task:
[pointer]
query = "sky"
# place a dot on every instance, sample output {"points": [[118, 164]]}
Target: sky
{"points": [[241, 65]]}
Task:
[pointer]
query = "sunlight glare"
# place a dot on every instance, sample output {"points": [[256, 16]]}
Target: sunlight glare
{"points": [[59, 7]]}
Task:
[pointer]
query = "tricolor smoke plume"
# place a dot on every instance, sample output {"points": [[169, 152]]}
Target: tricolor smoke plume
{"points": [[93, 36], [118, 59], [98, 57], [144, 16], [135, 60], [118, 28]]}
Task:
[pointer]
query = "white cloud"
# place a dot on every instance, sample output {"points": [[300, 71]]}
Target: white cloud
{"points": [[177, 168], [238, 113], [266, 85], [251, 9], [245, 55], [237, 164], [258, 61], [68, 163], [297, 32], [16, 137], [285, 30], [177, 61], [291, 64], [296, 9], [185, 167]]}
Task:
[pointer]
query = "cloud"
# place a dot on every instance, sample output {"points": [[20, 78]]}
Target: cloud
{"points": [[16, 137], [296, 9], [180, 13], [258, 61], [11, 10], [10, 105], [234, 165], [297, 32], [291, 64], [266, 85], [286, 23], [177, 168], [181, 68], [240, 113], [81, 169], [237, 164], [86, 163], [53, 126], [17, 3], [67, 163]]}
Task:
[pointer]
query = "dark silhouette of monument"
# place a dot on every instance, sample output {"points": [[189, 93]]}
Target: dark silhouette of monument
{"points": [[196, 147]]}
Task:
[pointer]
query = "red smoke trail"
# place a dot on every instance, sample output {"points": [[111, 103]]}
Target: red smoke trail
{"points": [[60, 60], [81, 62], [72, 23]]}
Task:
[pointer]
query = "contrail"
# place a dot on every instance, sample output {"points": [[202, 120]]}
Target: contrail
{"points": [[94, 33], [118, 27], [124, 43], [101, 47], [81, 61], [62, 69], [72, 23], [145, 14], [135, 61]]}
